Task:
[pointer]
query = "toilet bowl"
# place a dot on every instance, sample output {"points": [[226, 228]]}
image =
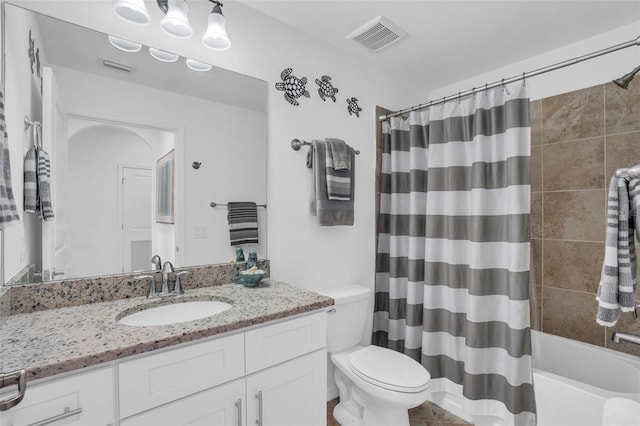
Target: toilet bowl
{"points": [[377, 386]]}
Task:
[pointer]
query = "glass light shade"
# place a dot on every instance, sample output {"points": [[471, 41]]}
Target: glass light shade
{"points": [[133, 11], [124, 45], [176, 21], [216, 37], [162, 55], [197, 65]]}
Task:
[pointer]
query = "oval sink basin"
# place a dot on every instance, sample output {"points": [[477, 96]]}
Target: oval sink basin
{"points": [[174, 313]]}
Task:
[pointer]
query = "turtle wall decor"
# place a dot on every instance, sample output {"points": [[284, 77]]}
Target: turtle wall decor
{"points": [[353, 107], [292, 86], [326, 89]]}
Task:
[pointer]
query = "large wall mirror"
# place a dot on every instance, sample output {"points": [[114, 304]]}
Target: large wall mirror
{"points": [[139, 148]]}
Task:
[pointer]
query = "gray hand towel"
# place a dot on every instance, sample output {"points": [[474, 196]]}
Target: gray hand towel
{"points": [[339, 153], [618, 280], [31, 181], [44, 185], [330, 212], [243, 223], [338, 181]]}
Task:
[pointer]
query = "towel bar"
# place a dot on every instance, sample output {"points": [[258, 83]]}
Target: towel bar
{"points": [[296, 144], [214, 205]]}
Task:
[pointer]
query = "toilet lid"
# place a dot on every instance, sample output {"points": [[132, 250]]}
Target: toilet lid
{"points": [[389, 369]]}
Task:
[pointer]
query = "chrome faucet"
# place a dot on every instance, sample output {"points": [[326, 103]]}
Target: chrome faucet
{"points": [[628, 337], [167, 268], [156, 262]]}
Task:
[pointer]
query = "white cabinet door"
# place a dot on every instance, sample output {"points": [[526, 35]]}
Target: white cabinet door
{"points": [[289, 394], [220, 406], [81, 399], [276, 343], [157, 379]]}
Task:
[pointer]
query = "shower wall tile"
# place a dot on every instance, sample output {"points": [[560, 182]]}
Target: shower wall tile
{"points": [[573, 115], [623, 108], [623, 150], [536, 168], [575, 215], [574, 165], [571, 314], [536, 249], [536, 123], [536, 215], [573, 265]]}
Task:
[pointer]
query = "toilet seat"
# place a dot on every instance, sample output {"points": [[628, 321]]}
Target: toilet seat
{"points": [[389, 369]]}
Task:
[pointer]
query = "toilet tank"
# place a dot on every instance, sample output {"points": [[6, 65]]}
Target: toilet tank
{"points": [[346, 325]]}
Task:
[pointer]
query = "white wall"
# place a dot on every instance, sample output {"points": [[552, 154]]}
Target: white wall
{"points": [[579, 76]]}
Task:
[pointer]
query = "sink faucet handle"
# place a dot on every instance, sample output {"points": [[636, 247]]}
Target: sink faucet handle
{"points": [[178, 287], [152, 284]]}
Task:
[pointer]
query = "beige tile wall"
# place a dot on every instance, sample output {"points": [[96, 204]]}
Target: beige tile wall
{"points": [[578, 141]]}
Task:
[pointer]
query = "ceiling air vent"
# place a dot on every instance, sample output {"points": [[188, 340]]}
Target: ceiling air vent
{"points": [[377, 34]]}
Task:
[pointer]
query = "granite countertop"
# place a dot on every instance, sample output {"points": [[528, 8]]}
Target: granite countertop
{"points": [[55, 341]]}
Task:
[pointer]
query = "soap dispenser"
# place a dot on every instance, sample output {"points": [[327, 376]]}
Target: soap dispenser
{"points": [[253, 260]]}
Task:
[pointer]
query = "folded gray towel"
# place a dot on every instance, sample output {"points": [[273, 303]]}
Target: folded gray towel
{"points": [[329, 212], [8, 210], [339, 153], [618, 279], [31, 181], [338, 181], [243, 223]]}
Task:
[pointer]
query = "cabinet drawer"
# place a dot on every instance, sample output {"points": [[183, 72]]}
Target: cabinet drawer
{"points": [[221, 406], [154, 380], [90, 395], [273, 344]]}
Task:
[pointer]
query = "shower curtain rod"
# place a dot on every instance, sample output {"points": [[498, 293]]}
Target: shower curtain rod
{"points": [[524, 76]]}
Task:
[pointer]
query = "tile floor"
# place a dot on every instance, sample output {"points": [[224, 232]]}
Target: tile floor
{"points": [[427, 414]]}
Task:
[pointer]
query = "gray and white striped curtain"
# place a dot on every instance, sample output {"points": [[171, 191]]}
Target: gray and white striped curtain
{"points": [[452, 269]]}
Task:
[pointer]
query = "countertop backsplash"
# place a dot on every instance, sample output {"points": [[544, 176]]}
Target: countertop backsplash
{"points": [[27, 298]]}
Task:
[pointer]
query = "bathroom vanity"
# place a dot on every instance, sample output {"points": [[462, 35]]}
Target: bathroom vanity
{"points": [[261, 362]]}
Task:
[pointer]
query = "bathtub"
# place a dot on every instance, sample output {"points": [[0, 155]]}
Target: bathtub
{"points": [[572, 382]]}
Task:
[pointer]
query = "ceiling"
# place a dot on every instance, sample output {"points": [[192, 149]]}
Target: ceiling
{"points": [[449, 41]]}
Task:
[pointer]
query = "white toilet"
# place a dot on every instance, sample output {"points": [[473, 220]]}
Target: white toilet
{"points": [[377, 385]]}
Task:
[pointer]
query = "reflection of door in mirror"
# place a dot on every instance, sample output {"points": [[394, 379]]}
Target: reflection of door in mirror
{"points": [[135, 208]]}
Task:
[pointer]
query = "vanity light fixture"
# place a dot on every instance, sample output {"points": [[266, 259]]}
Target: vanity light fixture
{"points": [[216, 37], [162, 55], [124, 45], [133, 11], [176, 20], [197, 65]]}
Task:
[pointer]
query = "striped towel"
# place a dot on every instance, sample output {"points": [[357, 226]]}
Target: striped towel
{"points": [[8, 210], [31, 181], [44, 185], [243, 223], [618, 280], [338, 179]]}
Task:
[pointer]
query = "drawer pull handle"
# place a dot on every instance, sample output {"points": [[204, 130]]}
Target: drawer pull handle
{"points": [[66, 413], [239, 405], [259, 397], [14, 378]]}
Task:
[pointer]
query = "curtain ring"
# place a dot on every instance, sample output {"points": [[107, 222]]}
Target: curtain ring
{"points": [[459, 96], [444, 99]]}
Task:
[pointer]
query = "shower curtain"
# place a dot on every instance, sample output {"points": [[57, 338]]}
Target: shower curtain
{"points": [[452, 268]]}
